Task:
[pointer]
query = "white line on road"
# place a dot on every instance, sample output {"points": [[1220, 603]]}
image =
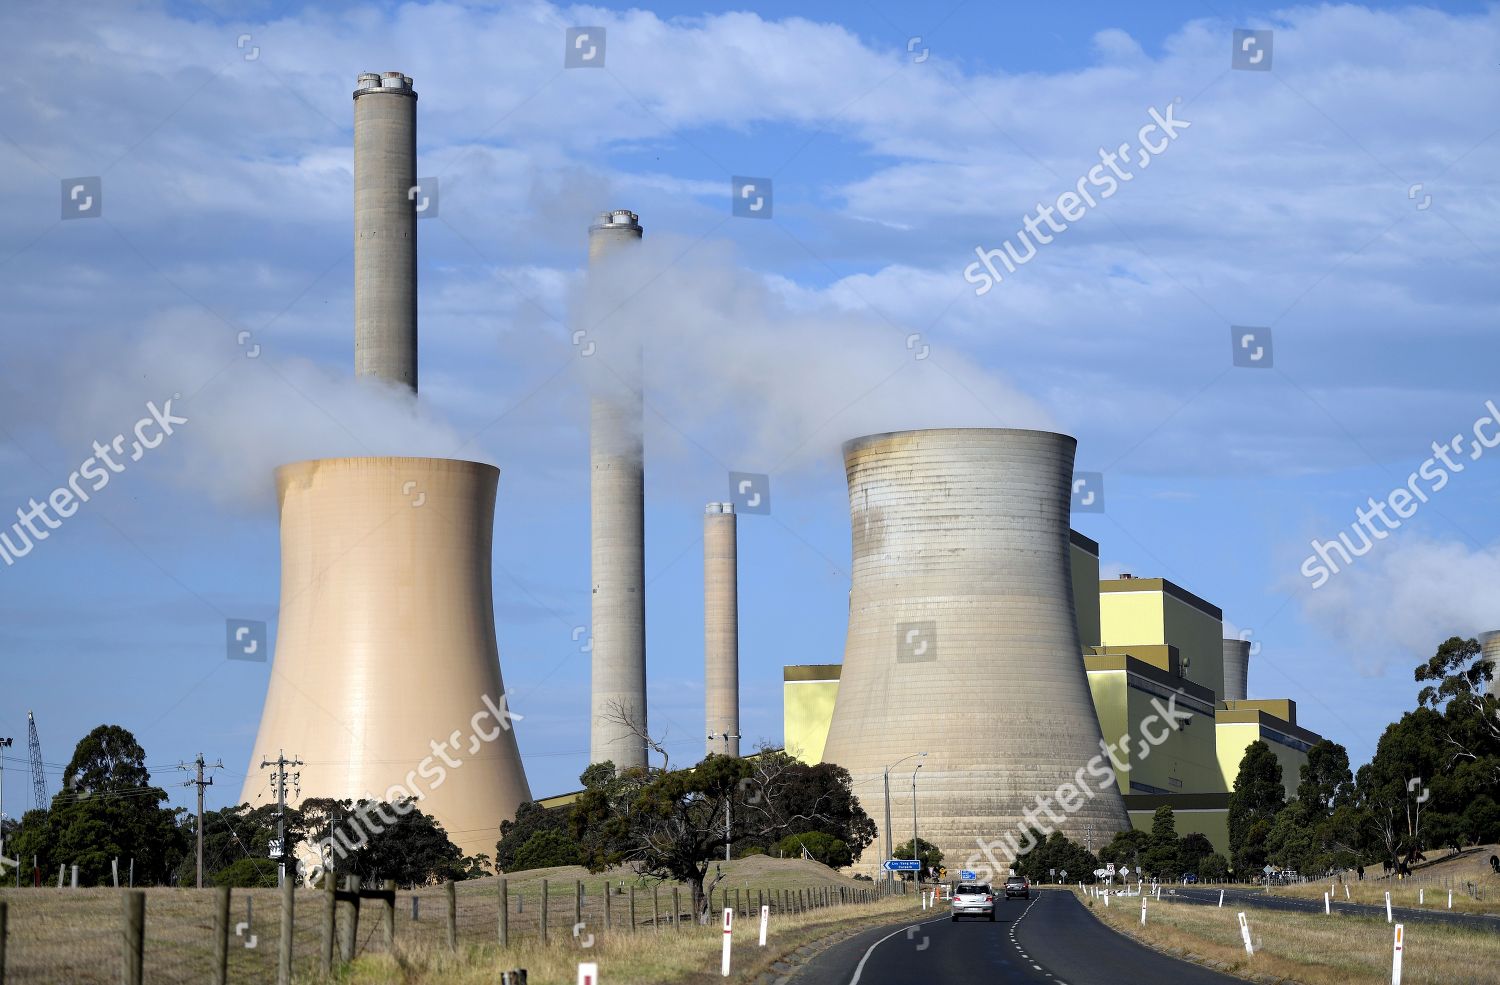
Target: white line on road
{"points": [[859, 969]]}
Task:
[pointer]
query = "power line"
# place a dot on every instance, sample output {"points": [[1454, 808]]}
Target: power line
{"points": [[200, 783]]}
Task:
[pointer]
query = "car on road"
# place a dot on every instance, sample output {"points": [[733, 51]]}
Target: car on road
{"points": [[1189, 879], [1016, 887], [973, 899]]}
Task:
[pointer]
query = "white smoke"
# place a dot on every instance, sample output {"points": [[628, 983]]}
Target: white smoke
{"points": [[763, 373]]}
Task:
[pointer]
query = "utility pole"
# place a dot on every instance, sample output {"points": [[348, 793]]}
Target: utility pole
{"points": [[279, 778], [915, 852], [4, 745], [200, 783]]}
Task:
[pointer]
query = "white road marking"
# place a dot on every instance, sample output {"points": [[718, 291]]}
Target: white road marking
{"points": [[859, 969]]}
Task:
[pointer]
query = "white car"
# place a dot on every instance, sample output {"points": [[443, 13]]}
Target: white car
{"points": [[972, 899]]}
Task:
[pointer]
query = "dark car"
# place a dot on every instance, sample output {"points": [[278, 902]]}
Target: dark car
{"points": [[1017, 887], [1189, 879]]}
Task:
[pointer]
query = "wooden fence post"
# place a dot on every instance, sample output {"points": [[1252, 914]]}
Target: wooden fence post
{"points": [[330, 921], [288, 932], [632, 909], [450, 890], [221, 936], [608, 918], [676, 908], [544, 911], [388, 913], [349, 938], [133, 938], [3, 907], [577, 902], [504, 913], [655, 909]]}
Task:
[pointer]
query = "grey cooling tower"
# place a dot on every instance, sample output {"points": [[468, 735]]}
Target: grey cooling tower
{"points": [[721, 630], [1236, 670], [385, 228], [963, 643], [618, 542]]}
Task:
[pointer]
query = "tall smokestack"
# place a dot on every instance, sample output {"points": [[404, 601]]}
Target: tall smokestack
{"points": [[1491, 643], [1236, 670], [962, 594], [721, 629], [618, 544], [385, 228]]}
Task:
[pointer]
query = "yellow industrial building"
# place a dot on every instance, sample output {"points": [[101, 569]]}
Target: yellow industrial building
{"points": [[1146, 642]]}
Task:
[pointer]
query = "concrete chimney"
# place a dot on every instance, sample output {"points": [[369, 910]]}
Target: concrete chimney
{"points": [[1491, 643], [618, 543], [721, 629], [1236, 670], [385, 228]]}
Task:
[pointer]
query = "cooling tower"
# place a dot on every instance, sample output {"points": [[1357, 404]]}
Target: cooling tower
{"points": [[963, 643], [385, 228], [386, 673], [1491, 643], [1236, 670], [618, 542], [721, 630]]}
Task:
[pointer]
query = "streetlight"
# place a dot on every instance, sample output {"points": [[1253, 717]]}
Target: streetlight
{"points": [[915, 853], [4, 744], [726, 736], [890, 876]]}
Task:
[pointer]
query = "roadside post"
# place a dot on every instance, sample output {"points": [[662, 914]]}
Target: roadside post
{"points": [[765, 918], [728, 937], [1396, 956], [1245, 935]]}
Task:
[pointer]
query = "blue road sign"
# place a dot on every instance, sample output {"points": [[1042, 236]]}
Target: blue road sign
{"points": [[966, 874], [902, 865]]}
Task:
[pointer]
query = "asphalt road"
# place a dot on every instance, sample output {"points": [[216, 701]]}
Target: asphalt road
{"points": [[1053, 940], [1290, 904]]}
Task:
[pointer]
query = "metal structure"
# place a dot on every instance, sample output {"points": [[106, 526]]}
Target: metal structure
{"points": [[962, 638], [38, 778], [1236, 670], [385, 228], [721, 629], [200, 783], [617, 729], [280, 778]]}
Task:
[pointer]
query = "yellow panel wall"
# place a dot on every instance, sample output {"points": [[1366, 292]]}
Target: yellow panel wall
{"points": [[1186, 761], [1199, 638], [807, 711], [1232, 740]]}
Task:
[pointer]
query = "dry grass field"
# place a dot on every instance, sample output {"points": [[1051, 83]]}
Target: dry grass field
{"points": [[74, 935], [1308, 948], [1475, 887]]}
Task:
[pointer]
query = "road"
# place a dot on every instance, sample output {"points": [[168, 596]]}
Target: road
{"points": [[1053, 940], [1292, 904]]}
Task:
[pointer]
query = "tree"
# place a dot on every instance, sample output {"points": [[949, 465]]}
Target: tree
{"points": [[785, 796], [1126, 848], [544, 850], [1257, 798], [1459, 679], [108, 809], [1326, 781], [1213, 868], [825, 848], [375, 841], [248, 873], [1052, 855], [928, 854], [531, 822], [1162, 857]]}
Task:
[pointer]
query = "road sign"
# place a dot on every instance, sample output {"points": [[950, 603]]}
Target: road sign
{"points": [[1064, 875], [1109, 869], [902, 865], [1124, 871], [966, 874]]}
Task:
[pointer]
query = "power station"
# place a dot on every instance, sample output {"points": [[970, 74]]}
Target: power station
{"points": [[982, 643]]}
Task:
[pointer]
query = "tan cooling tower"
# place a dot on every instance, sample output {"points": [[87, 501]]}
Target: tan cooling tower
{"points": [[721, 630], [386, 669], [617, 509], [963, 644], [1236, 670]]}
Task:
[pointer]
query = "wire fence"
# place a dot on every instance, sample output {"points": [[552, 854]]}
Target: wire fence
{"points": [[87, 937]]}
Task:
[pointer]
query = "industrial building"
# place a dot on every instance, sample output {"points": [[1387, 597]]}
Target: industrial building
{"points": [[386, 678], [948, 537]]}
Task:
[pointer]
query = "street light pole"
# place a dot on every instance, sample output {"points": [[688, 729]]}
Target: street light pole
{"points": [[915, 852], [4, 744], [890, 876]]}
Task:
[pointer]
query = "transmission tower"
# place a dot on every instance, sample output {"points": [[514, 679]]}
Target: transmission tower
{"points": [[38, 778]]}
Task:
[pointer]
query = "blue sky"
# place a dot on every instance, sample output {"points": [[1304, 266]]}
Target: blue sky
{"points": [[1289, 204]]}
